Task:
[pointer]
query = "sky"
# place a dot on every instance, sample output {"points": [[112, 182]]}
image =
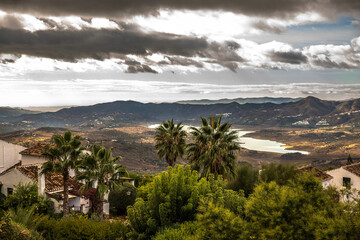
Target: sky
{"points": [[65, 52]]}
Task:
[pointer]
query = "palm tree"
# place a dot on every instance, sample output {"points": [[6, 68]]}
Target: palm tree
{"points": [[62, 157], [213, 147], [170, 141], [99, 169]]}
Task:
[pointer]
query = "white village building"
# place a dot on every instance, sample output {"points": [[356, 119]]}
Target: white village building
{"points": [[21, 165], [346, 176], [9, 154]]}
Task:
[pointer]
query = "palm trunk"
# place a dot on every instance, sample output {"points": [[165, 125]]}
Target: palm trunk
{"points": [[66, 192], [100, 208]]}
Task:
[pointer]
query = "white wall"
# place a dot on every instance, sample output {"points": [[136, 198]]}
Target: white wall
{"points": [[9, 154], [338, 175], [13, 178], [28, 160]]}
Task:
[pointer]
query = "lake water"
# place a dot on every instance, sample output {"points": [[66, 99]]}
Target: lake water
{"points": [[254, 144]]}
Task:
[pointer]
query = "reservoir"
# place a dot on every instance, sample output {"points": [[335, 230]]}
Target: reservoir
{"points": [[254, 144]]}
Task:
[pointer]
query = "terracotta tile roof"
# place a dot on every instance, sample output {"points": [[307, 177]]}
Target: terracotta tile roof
{"points": [[31, 171], [87, 193], [35, 150], [353, 168], [53, 181], [318, 173]]}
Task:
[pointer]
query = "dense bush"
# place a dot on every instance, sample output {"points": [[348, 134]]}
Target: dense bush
{"points": [[173, 197], [246, 178], [79, 227], [280, 173], [10, 230], [122, 198], [26, 195], [299, 210], [184, 231]]}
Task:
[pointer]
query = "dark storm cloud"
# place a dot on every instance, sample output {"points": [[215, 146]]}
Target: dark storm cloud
{"points": [[223, 54], [5, 61], [71, 45], [291, 57], [328, 63], [123, 8], [182, 61], [140, 69], [264, 26]]}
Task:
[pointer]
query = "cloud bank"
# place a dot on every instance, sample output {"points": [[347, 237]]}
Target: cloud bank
{"points": [[122, 8]]}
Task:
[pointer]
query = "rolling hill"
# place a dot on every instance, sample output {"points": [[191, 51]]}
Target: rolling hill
{"points": [[242, 100], [307, 112]]}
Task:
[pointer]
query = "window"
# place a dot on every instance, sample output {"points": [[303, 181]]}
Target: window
{"points": [[10, 191], [346, 181]]}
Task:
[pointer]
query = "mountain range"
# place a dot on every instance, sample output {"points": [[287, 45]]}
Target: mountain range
{"points": [[307, 112], [241, 100]]}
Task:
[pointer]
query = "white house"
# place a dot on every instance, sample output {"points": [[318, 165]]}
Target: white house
{"points": [[9, 154], [50, 184], [25, 166], [348, 175], [32, 155]]}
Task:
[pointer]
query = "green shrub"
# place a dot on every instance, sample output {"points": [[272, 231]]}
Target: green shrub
{"points": [[120, 199], [282, 174], [246, 178], [173, 197], [74, 228], [10, 230], [184, 231], [26, 195], [218, 222]]}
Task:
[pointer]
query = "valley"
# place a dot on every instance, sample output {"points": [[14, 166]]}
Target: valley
{"points": [[327, 130]]}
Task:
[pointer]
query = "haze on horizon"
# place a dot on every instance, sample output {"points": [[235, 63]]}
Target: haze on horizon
{"points": [[81, 52]]}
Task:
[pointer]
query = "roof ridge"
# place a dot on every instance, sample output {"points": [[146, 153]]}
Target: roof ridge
{"points": [[30, 165], [353, 164]]}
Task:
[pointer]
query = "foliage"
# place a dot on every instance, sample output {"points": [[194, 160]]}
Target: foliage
{"points": [[2, 200], [280, 173], [213, 148], [12, 230], [295, 211], [61, 158], [25, 196], [217, 222], [246, 178], [170, 141], [184, 231], [120, 199], [100, 168], [172, 197], [80, 227], [141, 180]]}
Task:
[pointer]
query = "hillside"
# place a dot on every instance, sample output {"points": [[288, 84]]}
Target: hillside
{"points": [[241, 100], [308, 112], [7, 112]]}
